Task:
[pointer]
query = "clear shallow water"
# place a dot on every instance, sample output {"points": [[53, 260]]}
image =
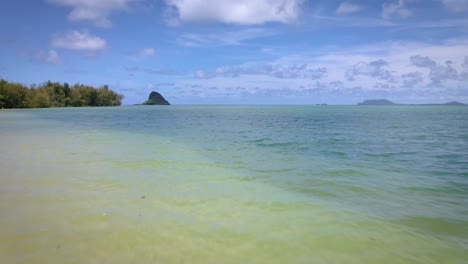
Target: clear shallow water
{"points": [[230, 184]]}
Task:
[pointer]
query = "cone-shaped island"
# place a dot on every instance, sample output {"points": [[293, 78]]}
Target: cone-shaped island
{"points": [[156, 98]]}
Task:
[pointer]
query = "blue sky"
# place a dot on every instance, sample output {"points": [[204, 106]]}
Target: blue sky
{"points": [[243, 51]]}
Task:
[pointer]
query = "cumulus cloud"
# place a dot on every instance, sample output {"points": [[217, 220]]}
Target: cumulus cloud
{"points": [[395, 9], [456, 5], [437, 72], [146, 52], [95, 11], [346, 8], [375, 69], [424, 62], [409, 80], [443, 72], [244, 12], [78, 40], [51, 57]]}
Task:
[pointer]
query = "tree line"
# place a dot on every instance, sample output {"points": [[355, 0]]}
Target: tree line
{"points": [[55, 94]]}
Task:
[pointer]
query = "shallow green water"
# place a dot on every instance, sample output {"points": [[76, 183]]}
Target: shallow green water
{"points": [[233, 184]]}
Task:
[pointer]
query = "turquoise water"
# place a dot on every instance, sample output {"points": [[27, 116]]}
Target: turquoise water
{"points": [[231, 184]]}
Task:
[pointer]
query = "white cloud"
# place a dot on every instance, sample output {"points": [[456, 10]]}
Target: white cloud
{"points": [[51, 57], [395, 9], [410, 79], [456, 5], [146, 52], [200, 74], [245, 12], [376, 69], [95, 11], [437, 71], [422, 61], [346, 8], [76, 40]]}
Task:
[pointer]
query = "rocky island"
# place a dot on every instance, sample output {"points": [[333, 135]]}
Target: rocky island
{"points": [[156, 98]]}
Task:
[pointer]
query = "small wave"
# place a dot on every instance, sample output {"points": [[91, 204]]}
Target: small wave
{"points": [[334, 153], [277, 144], [259, 140], [390, 154], [345, 172], [275, 170]]}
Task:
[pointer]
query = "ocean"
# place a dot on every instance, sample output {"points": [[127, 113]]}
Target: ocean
{"points": [[234, 184]]}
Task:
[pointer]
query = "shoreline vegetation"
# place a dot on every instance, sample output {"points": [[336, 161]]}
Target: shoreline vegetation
{"points": [[55, 94]]}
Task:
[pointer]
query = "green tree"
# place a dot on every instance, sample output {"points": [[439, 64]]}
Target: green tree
{"points": [[55, 94], [14, 95]]}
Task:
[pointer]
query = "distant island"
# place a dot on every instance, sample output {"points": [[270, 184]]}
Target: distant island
{"points": [[388, 102], [156, 98], [377, 102], [454, 103], [55, 94]]}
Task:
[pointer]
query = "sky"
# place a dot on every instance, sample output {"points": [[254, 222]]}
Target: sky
{"points": [[243, 51]]}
